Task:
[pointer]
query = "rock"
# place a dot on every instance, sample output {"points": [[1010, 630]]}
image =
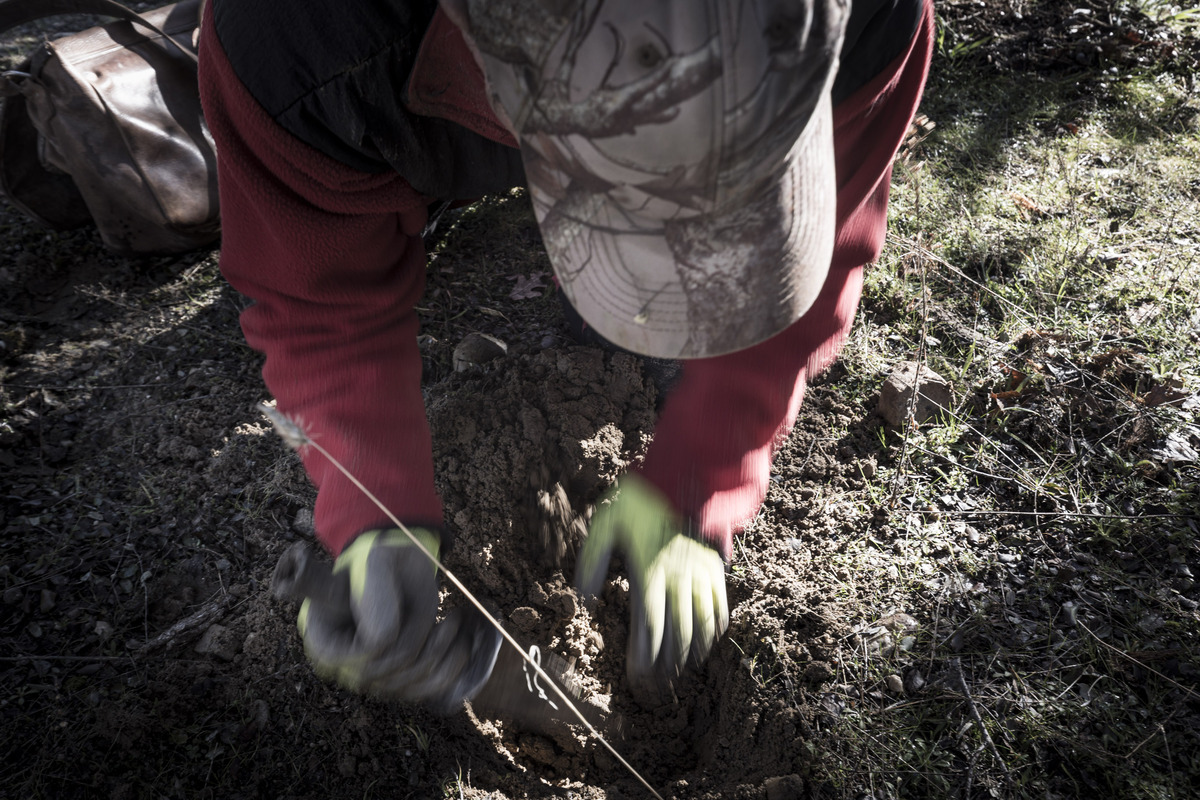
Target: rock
{"points": [[477, 348], [539, 749], [914, 681], [894, 684], [218, 641], [567, 604], [933, 395], [303, 522], [784, 787], [524, 618]]}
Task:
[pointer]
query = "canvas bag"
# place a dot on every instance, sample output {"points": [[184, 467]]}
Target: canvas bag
{"points": [[105, 126]]}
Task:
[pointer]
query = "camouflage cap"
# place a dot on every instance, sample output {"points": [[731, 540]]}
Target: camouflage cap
{"points": [[679, 157]]}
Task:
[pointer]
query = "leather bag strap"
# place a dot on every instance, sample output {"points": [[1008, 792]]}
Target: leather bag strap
{"points": [[19, 12]]}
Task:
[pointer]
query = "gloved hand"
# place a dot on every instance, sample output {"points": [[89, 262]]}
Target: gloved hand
{"points": [[677, 584], [374, 631]]}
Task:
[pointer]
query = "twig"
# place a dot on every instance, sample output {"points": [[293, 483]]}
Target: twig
{"points": [[212, 610], [1067, 514], [964, 467], [1128, 657], [909, 422], [296, 438], [916, 245], [1153, 733], [1170, 763], [956, 673]]}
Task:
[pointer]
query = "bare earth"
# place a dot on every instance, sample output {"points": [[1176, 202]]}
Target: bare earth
{"points": [[144, 503], [143, 488]]}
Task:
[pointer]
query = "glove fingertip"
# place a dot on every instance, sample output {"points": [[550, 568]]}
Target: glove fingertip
{"points": [[302, 617], [591, 571]]}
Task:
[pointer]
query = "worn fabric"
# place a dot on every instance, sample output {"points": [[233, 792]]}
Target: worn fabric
{"points": [[329, 73], [718, 431], [329, 249], [335, 75]]}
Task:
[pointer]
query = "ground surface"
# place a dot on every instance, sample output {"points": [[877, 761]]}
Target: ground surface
{"points": [[999, 604]]}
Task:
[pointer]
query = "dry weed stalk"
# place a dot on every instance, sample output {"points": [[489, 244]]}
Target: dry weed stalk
{"points": [[294, 437]]}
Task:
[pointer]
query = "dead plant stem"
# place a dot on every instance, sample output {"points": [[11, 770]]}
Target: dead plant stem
{"points": [[909, 422], [1133, 660], [960, 679]]}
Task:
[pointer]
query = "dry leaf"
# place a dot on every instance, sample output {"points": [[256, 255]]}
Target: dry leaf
{"points": [[1170, 393], [527, 286]]}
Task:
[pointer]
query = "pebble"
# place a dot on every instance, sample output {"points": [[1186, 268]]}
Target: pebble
{"points": [[477, 348], [894, 684], [524, 619], [217, 641], [784, 787], [303, 522], [933, 395]]}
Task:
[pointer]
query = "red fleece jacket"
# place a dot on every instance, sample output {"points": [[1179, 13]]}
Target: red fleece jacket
{"points": [[334, 261]]}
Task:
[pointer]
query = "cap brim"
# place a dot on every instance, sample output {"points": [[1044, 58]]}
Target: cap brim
{"points": [[702, 285]]}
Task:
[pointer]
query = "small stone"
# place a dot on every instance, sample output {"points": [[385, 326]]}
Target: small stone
{"points": [[568, 604], [476, 349], [933, 395], [894, 684], [12, 596], [784, 787], [303, 522], [524, 618], [218, 641], [47, 601], [103, 629]]}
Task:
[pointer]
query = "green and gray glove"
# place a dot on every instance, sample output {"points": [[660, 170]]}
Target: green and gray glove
{"points": [[677, 584], [374, 629]]}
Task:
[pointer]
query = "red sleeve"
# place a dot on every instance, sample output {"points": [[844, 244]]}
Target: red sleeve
{"points": [[333, 259], [715, 440]]}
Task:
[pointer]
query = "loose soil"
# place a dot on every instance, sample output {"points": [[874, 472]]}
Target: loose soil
{"points": [[145, 502], [143, 488]]}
